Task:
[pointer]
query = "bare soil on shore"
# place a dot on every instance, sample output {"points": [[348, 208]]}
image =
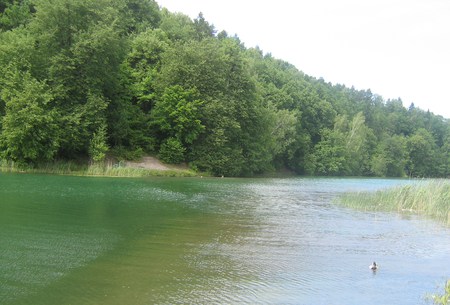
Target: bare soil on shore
{"points": [[153, 163]]}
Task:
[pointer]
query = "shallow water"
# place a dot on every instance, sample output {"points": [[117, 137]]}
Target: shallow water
{"points": [[78, 240]]}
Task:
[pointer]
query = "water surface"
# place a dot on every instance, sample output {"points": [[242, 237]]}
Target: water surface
{"points": [[78, 240]]}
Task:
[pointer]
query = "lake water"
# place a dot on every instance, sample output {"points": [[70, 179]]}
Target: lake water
{"points": [[79, 240]]}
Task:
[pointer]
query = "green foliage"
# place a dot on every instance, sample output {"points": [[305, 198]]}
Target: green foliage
{"points": [[177, 115], [140, 15], [389, 160], [30, 130], [79, 76], [202, 28], [443, 299], [80, 122], [142, 64], [97, 145], [328, 156], [172, 151], [178, 27], [14, 14], [283, 129], [108, 169], [122, 153], [422, 154]]}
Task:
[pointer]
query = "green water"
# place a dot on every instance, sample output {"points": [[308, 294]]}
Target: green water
{"points": [[71, 240], [79, 240]]}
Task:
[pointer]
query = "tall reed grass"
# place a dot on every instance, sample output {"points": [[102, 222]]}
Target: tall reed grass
{"points": [[442, 299], [426, 197], [107, 169]]}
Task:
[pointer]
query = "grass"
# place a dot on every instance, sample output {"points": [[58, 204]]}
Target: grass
{"points": [[107, 169], [442, 299], [430, 198]]}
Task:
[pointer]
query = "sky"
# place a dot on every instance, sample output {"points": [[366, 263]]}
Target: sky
{"points": [[395, 48]]}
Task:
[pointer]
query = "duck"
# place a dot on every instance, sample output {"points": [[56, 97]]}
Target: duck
{"points": [[374, 266]]}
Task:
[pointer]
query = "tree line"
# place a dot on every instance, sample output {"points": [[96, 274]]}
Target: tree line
{"points": [[91, 78]]}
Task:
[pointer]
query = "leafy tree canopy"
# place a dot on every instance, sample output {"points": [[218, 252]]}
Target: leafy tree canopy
{"points": [[80, 78]]}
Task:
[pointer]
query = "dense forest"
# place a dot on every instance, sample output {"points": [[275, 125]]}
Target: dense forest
{"points": [[89, 79]]}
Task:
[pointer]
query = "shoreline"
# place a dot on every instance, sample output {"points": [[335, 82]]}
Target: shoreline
{"points": [[146, 167]]}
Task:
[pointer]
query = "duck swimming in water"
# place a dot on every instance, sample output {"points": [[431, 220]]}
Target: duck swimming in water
{"points": [[374, 266]]}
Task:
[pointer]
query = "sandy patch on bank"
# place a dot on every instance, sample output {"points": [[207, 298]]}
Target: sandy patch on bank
{"points": [[154, 164]]}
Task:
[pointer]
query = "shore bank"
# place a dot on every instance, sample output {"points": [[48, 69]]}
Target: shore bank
{"points": [[145, 167]]}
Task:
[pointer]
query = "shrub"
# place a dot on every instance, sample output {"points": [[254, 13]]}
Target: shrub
{"points": [[172, 151]]}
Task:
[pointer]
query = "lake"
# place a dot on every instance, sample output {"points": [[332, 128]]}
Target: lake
{"points": [[82, 240]]}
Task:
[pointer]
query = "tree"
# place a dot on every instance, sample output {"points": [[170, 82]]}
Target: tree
{"points": [[177, 115], [172, 151], [140, 15], [142, 64], [283, 129], [128, 75], [445, 151], [359, 145], [390, 157], [14, 13], [178, 27], [97, 145], [234, 143], [329, 155], [30, 130], [422, 154], [79, 52], [202, 28]]}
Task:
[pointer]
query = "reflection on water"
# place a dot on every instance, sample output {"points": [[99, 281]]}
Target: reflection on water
{"points": [[72, 240]]}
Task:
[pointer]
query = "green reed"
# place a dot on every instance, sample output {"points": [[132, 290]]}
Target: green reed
{"points": [[441, 299], [427, 197]]}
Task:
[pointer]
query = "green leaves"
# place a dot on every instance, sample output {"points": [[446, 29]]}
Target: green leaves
{"points": [[78, 77], [97, 145], [422, 154], [172, 151], [30, 130], [177, 115], [14, 14], [390, 157]]}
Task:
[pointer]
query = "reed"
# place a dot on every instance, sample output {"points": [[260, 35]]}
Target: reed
{"points": [[426, 197], [106, 169], [123, 171], [442, 299]]}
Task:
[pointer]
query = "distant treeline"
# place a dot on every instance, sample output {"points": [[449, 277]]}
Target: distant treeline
{"points": [[90, 78]]}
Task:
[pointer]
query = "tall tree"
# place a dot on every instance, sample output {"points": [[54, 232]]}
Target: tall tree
{"points": [[177, 115], [15, 13], [30, 130], [390, 157], [80, 48], [422, 154]]}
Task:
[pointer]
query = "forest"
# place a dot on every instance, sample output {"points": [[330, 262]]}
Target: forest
{"points": [[95, 79]]}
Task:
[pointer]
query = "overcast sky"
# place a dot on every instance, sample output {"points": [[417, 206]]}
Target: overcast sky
{"points": [[395, 48]]}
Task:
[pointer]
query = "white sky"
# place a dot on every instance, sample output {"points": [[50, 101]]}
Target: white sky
{"points": [[395, 48]]}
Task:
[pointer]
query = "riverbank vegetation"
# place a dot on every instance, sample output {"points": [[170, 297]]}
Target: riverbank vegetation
{"points": [[429, 198], [442, 299], [109, 169], [83, 79]]}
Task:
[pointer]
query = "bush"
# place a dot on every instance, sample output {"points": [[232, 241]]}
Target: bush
{"points": [[172, 151], [122, 153], [97, 146]]}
